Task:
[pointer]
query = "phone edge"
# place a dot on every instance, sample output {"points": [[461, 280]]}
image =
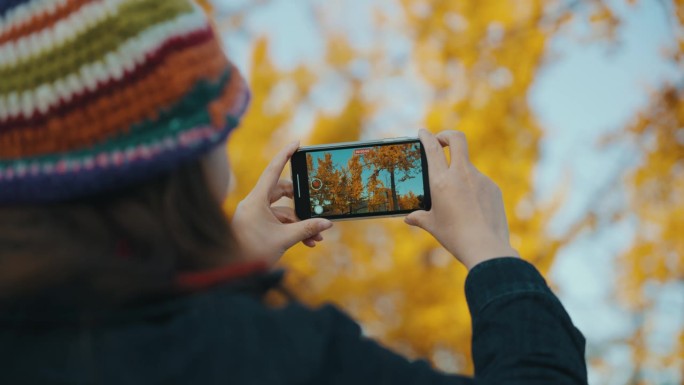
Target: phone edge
{"points": [[362, 143]]}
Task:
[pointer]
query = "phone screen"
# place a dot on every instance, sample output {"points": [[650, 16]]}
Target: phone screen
{"points": [[360, 180]]}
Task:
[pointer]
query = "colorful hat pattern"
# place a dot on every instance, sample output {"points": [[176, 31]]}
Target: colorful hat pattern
{"points": [[95, 95]]}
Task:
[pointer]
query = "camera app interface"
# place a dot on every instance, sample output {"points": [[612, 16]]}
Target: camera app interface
{"points": [[376, 179]]}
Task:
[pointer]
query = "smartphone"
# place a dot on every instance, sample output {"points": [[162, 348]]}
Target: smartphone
{"points": [[360, 179]]}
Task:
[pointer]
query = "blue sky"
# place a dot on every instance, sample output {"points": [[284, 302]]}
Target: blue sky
{"points": [[341, 157], [588, 92]]}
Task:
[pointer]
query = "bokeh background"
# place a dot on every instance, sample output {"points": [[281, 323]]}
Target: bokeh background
{"points": [[575, 108]]}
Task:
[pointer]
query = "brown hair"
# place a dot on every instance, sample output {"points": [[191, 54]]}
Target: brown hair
{"points": [[122, 244]]}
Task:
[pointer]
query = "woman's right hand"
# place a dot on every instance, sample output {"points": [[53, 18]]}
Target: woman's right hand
{"points": [[467, 215]]}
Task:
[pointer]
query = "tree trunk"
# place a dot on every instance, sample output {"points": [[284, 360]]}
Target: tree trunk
{"points": [[394, 190]]}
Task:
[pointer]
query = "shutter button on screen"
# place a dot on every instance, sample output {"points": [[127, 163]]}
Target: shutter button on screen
{"points": [[316, 184]]}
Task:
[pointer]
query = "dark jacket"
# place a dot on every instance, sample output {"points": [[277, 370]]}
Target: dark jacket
{"points": [[521, 335]]}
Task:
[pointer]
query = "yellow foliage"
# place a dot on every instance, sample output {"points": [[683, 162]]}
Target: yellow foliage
{"points": [[657, 191], [655, 257]]}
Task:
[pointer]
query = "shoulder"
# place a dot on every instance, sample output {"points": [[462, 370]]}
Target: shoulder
{"points": [[321, 345], [297, 327], [285, 344]]}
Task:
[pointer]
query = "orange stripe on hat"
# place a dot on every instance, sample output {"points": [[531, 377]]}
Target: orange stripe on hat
{"points": [[115, 112]]}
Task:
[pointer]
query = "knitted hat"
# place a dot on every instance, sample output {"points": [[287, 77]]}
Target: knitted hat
{"points": [[98, 94]]}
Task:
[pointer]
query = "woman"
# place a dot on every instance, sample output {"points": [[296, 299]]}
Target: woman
{"points": [[118, 266]]}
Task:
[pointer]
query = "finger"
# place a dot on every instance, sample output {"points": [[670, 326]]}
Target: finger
{"points": [[458, 145], [418, 218], [300, 231], [433, 151], [287, 215], [282, 189], [269, 178], [311, 242], [284, 214]]}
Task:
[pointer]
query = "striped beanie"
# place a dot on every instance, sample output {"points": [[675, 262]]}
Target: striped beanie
{"points": [[99, 94]]}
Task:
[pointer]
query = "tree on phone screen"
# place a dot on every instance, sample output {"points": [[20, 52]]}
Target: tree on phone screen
{"points": [[409, 201], [354, 186], [400, 162], [378, 194], [328, 195]]}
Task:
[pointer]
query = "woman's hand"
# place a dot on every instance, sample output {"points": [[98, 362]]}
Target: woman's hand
{"points": [[467, 215], [264, 231]]}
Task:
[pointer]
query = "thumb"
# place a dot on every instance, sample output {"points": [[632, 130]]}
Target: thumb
{"points": [[306, 229], [417, 218]]}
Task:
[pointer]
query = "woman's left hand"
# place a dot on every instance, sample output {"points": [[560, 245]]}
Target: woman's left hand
{"points": [[264, 231]]}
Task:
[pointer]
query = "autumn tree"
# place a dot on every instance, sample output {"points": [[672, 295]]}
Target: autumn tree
{"points": [[652, 267], [654, 263], [472, 65], [309, 165], [331, 193], [354, 186], [409, 201], [378, 194], [655, 259], [400, 162]]}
